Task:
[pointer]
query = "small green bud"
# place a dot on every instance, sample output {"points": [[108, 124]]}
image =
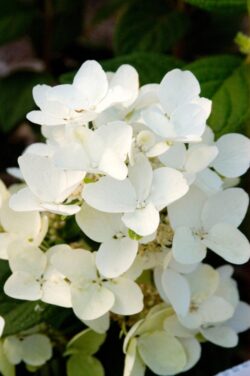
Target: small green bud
{"points": [[133, 235], [243, 42]]}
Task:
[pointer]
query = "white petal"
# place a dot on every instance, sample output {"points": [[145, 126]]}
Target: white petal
{"points": [[177, 87], [208, 181], [175, 156], [229, 243], [12, 347], [200, 157], [187, 247], [100, 325], [234, 155], [193, 351], [97, 225], [173, 326], [117, 136], [158, 123], [112, 165], [26, 258], [162, 353], [189, 122], [92, 82], [229, 206], [115, 256], [187, 210], [91, 301], [128, 296], [215, 309], [110, 195], [133, 364], [21, 285], [75, 264], [61, 209], [24, 200], [168, 186], [240, 322], [124, 85], [203, 282], [141, 175], [43, 118], [56, 291], [221, 336], [36, 349], [142, 221], [2, 324], [27, 225], [177, 290]]}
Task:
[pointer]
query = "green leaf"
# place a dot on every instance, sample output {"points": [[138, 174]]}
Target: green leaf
{"points": [[149, 25], [6, 368], [84, 365], [220, 5], [86, 342], [26, 315], [15, 20], [225, 80], [150, 66], [16, 97]]}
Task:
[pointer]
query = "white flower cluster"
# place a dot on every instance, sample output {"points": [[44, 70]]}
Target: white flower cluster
{"points": [[140, 169]]}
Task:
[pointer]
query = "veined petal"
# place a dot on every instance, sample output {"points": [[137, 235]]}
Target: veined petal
{"points": [[228, 242], [110, 195], [24, 200], [56, 291], [36, 349]]}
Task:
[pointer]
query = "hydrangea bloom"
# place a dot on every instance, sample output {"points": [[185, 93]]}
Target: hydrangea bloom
{"points": [[151, 189]]}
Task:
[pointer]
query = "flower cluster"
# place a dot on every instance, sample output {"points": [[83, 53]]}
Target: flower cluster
{"points": [[152, 191]]}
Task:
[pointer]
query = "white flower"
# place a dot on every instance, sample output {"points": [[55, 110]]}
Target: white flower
{"points": [[200, 222], [34, 349], [233, 159], [117, 251], [89, 94], [140, 197], [189, 161], [150, 343], [101, 151], [33, 277], [172, 285], [183, 114], [48, 186], [93, 295], [29, 227]]}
